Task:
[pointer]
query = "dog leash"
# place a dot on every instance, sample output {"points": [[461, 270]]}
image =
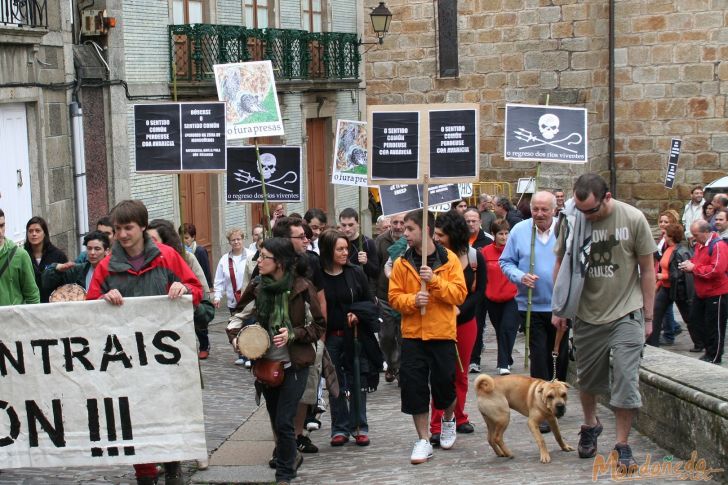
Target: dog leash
{"points": [[555, 353]]}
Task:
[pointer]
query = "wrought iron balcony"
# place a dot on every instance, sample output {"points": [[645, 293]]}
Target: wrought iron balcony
{"points": [[24, 13], [295, 54]]}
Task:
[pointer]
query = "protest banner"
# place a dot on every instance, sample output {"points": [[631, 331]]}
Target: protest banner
{"points": [[280, 168], [350, 154], [543, 133], [396, 199], [249, 92], [93, 384], [180, 137]]}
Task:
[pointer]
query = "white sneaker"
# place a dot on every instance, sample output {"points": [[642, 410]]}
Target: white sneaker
{"points": [[474, 368], [504, 371], [240, 361], [448, 434], [248, 364], [421, 452]]}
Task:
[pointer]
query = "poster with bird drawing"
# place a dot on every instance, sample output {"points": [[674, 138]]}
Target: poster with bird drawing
{"points": [[350, 154], [249, 92]]}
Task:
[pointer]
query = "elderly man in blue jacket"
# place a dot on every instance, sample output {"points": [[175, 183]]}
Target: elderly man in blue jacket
{"points": [[515, 263]]}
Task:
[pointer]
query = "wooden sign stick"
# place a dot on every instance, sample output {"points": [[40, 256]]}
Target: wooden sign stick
{"points": [[425, 230], [268, 228]]}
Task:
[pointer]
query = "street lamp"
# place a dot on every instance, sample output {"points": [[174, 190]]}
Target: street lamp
{"points": [[381, 18]]}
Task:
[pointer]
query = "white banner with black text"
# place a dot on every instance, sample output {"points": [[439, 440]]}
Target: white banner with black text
{"points": [[89, 383]]}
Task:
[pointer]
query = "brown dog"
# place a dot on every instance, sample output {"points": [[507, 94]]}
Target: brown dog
{"points": [[536, 399]]}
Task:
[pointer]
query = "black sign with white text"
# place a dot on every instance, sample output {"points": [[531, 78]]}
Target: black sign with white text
{"points": [[452, 144], [203, 136], [180, 137], [396, 199], [675, 145], [157, 134], [280, 168], [545, 134], [395, 145]]}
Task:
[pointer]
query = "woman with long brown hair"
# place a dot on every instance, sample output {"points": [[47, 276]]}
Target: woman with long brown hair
{"points": [[346, 287], [42, 251]]}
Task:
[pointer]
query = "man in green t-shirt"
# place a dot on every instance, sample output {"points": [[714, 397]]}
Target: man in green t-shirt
{"points": [[614, 315]]}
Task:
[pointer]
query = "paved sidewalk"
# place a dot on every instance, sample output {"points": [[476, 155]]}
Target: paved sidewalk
{"points": [[239, 439], [243, 457]]}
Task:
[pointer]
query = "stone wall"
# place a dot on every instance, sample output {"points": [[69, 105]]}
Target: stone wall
{"points": [[670, 81]]}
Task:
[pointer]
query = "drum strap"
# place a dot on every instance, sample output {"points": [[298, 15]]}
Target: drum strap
{"points": [[236, 292], [6, 264]]}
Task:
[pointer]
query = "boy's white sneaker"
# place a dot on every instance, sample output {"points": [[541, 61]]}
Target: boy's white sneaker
{"points": [[448, 434], [421, 452]]}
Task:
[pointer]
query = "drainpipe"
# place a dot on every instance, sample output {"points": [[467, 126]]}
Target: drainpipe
{"points": [[612, 163], [79, 170]]}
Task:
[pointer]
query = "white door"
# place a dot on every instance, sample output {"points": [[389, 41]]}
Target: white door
{"points": [[14, 170]]}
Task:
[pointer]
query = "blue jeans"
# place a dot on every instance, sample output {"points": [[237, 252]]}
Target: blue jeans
{"points": [[343, 421], [282, 404], [669, 325]]}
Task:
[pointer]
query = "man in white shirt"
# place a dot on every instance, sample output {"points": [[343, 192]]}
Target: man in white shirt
{"points": [[693, 209]]}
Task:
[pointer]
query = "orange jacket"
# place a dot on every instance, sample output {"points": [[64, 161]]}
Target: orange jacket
{"points": [[447, 290]]}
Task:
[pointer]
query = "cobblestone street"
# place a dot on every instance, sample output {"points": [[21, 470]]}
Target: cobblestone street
{"points": [[240, 442]]}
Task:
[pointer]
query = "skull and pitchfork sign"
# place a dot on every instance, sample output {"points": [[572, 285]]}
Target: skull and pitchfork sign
{"points": [[548, 125], [266, 171]]}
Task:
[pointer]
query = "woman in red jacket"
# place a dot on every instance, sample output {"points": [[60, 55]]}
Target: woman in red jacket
{"points": [[500, 297]]}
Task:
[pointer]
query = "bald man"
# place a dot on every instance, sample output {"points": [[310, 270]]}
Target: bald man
{"points": [[515, 263]]}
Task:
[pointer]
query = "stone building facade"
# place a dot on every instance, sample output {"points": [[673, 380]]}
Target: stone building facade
{"points": [[669, 65], [138, 51], [36, 164]]}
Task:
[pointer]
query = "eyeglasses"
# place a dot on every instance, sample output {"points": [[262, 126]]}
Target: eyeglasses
{"points": [[263, 257], [594, 209], [302, 237], [235, 240]]}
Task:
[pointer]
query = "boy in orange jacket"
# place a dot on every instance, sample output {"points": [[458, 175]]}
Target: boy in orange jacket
{"points": [[428, 340]]}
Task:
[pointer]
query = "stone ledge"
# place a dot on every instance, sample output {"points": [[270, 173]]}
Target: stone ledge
{"points": [[684, 406], [21, 35]]}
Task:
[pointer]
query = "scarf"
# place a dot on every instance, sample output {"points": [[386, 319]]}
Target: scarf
{"points": [[575, 264], [272, 303]]}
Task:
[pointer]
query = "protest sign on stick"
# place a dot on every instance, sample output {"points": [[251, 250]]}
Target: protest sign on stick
{"points": [[279, 167], [350, 154], [251, 100], [423, 144], [180, 137]]}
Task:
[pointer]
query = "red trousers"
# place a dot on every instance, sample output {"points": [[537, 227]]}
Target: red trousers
{"points": [[146, 470], [467, 332]]}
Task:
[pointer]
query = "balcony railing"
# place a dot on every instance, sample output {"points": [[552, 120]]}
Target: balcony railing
{"points": [[24, 13], [295, 54]]}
